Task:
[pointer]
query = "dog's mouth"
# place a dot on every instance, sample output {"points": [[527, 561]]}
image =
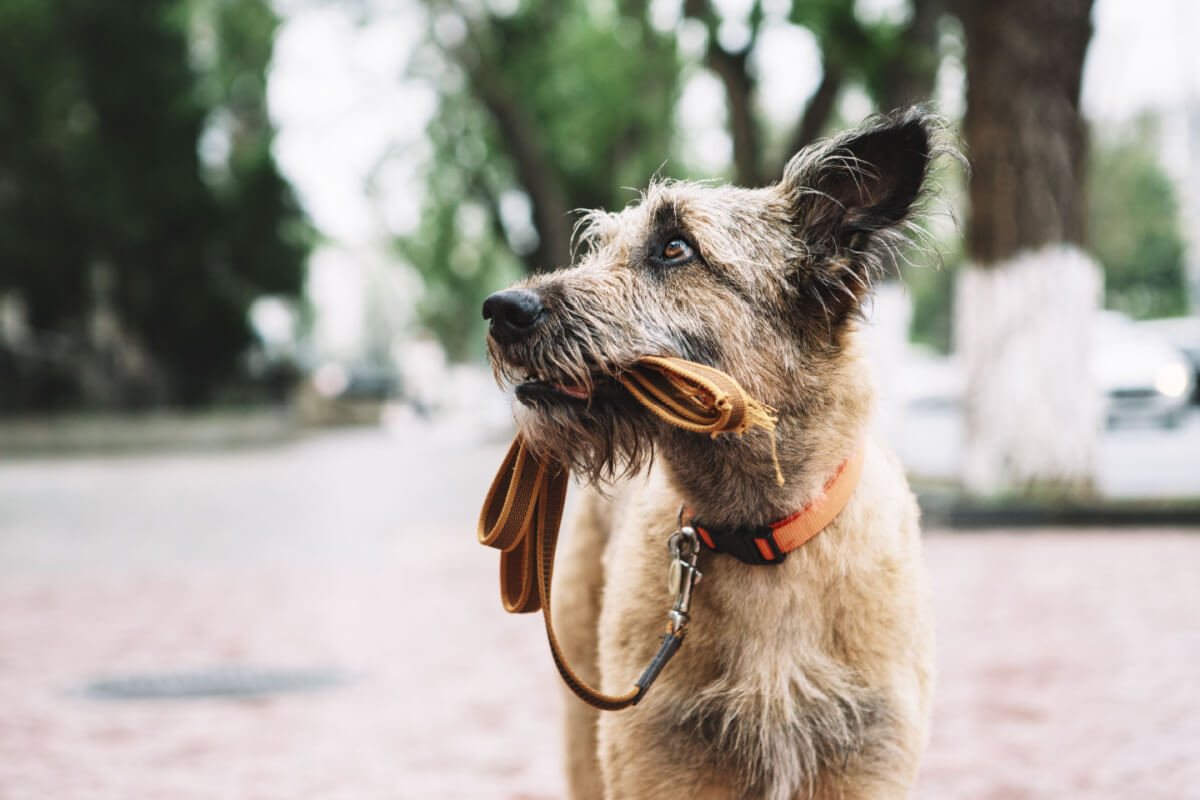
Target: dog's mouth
{"points": [[581, 413], [535, 388]]}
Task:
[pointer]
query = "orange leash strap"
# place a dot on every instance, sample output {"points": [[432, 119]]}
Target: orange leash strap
{"points": [[699, 398], [694, 397], [523, 508], [521, 517]]}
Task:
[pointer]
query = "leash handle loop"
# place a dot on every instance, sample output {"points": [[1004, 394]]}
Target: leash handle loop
{"points": [[531, 490], [692, 396]]}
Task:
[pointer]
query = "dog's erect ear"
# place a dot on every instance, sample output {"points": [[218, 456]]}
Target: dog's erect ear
{"points": [[847, 196], [860, 183]]}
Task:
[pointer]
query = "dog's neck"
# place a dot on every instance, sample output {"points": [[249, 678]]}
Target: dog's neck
{"points": [[731, 480]]}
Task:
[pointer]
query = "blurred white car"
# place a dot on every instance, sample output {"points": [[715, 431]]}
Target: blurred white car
{"points": [[1184, 334], [1140, 375], [1137, 372]]}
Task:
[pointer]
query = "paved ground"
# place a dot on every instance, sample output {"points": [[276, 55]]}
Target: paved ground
{"points": [[1067, 660]]}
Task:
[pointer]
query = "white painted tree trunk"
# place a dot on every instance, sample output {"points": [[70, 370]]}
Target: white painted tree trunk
{"points": [[1022, 330]]}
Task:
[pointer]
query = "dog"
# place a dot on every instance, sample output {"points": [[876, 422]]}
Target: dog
{"points": [[806, 677]]}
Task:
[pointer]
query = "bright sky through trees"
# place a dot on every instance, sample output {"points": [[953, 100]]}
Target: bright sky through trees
{"points": [[349, 125]]}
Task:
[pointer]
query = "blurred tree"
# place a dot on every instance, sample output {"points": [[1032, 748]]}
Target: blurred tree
{"points": [[553, 105], [1134, 224], [1134, 230], [1024, 306], [895, 62], [132, 255]]}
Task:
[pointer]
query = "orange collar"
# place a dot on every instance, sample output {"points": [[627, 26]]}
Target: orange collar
{"points": [[770, 544]]}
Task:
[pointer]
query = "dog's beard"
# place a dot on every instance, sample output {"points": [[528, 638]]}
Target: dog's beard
{"points": [[605, 437], [571, 406]]}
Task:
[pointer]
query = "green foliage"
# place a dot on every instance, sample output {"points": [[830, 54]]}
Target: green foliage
{"points": [[598, 86], [932, 291], [560, 104], [460, 253], [102, 104], [1134, 225], [928, 273], [566, 103], [876, 55], [1133, 216]]}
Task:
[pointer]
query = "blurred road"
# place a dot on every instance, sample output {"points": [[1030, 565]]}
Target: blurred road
{"points": [[1067, 660]]}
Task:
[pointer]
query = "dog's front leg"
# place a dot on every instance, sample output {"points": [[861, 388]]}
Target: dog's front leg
{"points": [[636, 764]]}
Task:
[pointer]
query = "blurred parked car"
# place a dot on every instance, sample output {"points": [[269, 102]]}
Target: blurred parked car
{"points": [[1135, 369], [1184, 334], [1141, 375]]}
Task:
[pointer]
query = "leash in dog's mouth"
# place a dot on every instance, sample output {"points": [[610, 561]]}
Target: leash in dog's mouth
{"points": [[523, 508]]}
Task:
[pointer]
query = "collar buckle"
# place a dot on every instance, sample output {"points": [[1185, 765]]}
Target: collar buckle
{"points": [[750, 544]]}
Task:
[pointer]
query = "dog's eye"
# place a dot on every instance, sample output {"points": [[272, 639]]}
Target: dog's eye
{"points": [[676, 250]]}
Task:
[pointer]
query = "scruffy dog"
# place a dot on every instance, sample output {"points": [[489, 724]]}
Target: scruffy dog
{"points": [[805, 678]]}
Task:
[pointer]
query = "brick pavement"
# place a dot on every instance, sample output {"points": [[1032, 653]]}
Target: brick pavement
{"points": [[1067, 659]]}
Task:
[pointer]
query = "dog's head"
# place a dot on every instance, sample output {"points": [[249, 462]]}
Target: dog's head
{"points": [[760, 283]]}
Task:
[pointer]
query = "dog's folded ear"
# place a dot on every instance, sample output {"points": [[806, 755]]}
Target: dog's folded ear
{"points": [[862, 182]]}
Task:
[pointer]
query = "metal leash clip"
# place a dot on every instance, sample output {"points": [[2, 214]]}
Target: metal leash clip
{"points": [[684, 546]]}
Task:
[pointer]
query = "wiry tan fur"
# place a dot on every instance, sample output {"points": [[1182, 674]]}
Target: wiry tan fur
{"points": [[808, 679]]}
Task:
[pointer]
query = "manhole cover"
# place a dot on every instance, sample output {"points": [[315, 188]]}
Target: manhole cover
{"points": [[215, 682]]}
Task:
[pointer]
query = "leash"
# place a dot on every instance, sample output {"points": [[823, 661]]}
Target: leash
{"points": [[523, 508]]}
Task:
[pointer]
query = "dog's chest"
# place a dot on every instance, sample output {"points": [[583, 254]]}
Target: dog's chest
{"points": [[754, 680]]}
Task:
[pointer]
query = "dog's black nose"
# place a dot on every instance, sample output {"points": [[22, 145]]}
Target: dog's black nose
{"points": [[514, 313]]}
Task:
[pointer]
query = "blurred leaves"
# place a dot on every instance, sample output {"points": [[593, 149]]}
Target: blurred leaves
{"points": [[1134, 223], [547, 107], [551, 106], [1134, 228], [103, 106]]}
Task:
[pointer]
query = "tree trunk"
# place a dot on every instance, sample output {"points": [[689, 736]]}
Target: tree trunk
{"points": [[535, 171], [733, 70], [914, 71], [816, 113], [1025, 303], [739, 91]]}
